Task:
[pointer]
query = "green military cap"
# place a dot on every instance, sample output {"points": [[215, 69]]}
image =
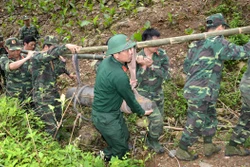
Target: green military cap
{"points": [[26, 17], [13, 44], [51, 40], [216, 20], [119, 43]]}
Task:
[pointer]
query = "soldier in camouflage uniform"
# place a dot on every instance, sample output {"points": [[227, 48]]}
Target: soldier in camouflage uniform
{"points": [[242, 130], [3, 52], [28, 29], [152, 71], [29, 43], [15, 66], [203, 66], [44, 73]]}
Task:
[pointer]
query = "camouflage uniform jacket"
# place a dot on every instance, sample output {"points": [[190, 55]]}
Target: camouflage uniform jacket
{"points": [[204, 63], [151, 79], [60, 67], [44, 74], [245, 80], [18, 82], [25, 31], [3, 51]]}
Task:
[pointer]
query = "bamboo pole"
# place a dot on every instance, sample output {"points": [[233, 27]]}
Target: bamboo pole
{"points": [[159, 42], [87, 56], [174, 40]]}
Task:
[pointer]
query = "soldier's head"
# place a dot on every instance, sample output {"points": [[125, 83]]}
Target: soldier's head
{"points": [[29, 43], [13, 47], [26, 20], [151, 34], [50, 42], [216, 21], [121, 47]]}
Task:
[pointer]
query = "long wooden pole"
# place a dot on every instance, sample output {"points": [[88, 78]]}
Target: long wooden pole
{"points": [[174, 40], [159, 42]]}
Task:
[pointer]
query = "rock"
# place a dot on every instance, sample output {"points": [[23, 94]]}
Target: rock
{"points": [[172, 153], [203, 164]]}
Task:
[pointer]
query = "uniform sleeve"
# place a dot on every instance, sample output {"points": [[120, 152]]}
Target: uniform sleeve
{"points": [[187, 63], [37, 34], [4, 61], [51, 54], [231, 51], [162, 70], [21, 33], [124, 89], [141, 74], [60, 67]]}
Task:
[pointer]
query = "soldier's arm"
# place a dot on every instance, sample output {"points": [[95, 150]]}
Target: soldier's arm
{"points": [[15, 65], [162, 70], [231, 51], [124, 89]]}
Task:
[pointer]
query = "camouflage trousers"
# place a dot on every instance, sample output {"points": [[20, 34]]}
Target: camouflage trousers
{"points": [[242, 130], [155, 127], [201, 121], [49, 110], [158, 98], [2, 81]]}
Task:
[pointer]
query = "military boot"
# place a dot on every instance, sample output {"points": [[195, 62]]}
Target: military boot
{"points": [[154, 145], [234, 150], [185, 155], [210, 149]]}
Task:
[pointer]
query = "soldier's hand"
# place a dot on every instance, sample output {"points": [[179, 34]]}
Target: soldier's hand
{"points": [[30, 54], [148, 112], [73, 48], [144, 61]]}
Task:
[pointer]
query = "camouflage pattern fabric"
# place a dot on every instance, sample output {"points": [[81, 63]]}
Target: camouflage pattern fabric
{"points": [[201, 121], [60, 67], [45, 94], [204, 63], [2, 75], [242, 130], [150, 80], [18, 82], [31, 31], [203, 66]]}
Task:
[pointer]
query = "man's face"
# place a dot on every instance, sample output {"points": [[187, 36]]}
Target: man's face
{"points": [[13, 53], [126, 55], [153, 49], [27, 22], [30, 46]]}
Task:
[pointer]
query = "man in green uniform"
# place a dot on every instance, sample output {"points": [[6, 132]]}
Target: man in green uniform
{"points": [[203, 66], [152, 71], [3, 52], [242, 130], [29, 43], [44, 72], [15, 66], [28, 29], [111, 88]]}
